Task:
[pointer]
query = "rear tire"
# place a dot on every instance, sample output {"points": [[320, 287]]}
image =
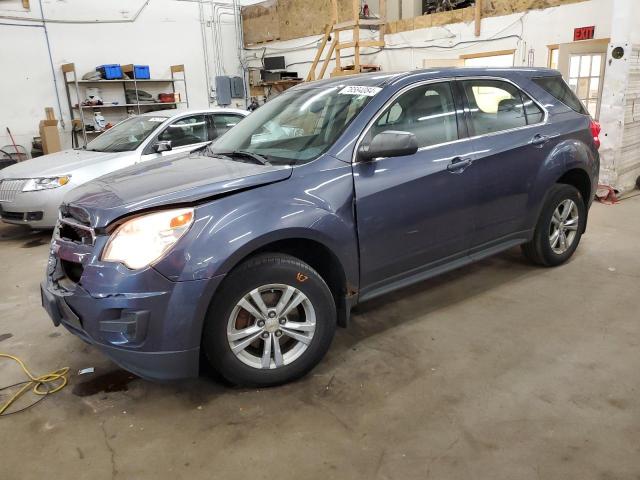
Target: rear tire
{"points": [[271, 322], [559, 228]]}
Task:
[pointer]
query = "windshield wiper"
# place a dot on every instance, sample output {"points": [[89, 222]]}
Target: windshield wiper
{"points": [[260, 159]]}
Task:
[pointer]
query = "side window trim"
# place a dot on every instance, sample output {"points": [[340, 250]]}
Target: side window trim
{"points": [[467, 109], [462, 107], [394, 98]]}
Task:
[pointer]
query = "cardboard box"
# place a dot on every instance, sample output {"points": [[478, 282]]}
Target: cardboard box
{"points": [[50, 136], [49, 132]]}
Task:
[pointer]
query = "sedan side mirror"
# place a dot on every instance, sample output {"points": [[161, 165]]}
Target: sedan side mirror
{"points": [[391, 143], [162, 146]]}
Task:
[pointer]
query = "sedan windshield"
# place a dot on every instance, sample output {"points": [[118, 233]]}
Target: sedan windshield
{"points": [[295, 127], [127, 135]]}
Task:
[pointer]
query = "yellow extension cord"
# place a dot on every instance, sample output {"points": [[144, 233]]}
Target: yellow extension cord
{"points": [[57, 378]]}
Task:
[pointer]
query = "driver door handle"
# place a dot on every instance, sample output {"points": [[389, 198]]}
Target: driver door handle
{"points": [[539, 140], [458, 164]]}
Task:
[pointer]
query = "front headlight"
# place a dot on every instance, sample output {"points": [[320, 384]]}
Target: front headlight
{"points": [[34, 184], [143, 240]]}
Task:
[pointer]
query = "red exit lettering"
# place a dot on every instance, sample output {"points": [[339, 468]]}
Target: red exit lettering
{"points": [[584, 33]]}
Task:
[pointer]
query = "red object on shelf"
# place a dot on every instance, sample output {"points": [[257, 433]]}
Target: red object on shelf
{"points": [[166, 98]]}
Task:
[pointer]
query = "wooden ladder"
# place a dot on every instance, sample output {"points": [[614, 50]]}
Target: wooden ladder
{"points": [[332, 31]]}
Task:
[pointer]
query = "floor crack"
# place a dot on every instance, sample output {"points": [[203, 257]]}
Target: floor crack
{"points": [[114, 468]]}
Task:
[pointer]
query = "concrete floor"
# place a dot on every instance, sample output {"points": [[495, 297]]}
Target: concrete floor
{"points": [[500, 370]]}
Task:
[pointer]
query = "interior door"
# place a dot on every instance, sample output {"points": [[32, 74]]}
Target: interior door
{"points": [[414, 212], [510, 145]]}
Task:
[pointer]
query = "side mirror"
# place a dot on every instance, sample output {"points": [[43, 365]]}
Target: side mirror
{"points": [[162, 146], [391, 143]]}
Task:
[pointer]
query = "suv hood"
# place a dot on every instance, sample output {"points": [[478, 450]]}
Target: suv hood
{"points": [[59, 163], [180, 179]]}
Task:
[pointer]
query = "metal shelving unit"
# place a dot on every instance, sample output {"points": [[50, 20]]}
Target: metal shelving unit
{"points": [[77, 110]]}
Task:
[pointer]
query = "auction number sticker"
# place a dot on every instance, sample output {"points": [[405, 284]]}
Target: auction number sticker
{"points": [[359, 90]]}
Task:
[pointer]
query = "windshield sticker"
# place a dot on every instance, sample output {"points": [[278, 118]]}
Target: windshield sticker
{"points": [[359, 90], [157, 119]]}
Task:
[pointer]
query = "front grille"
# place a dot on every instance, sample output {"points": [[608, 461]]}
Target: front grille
{"points": [[10, 188], [75, 233], [16, 216]]}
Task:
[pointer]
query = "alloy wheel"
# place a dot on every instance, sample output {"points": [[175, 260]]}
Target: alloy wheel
{"points": [[271, 326], [564, 226]]}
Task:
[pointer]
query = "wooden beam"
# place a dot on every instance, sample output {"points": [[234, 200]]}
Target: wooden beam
{"points": [[364, 43], [383, 16], [312, 71], [334, 11], [478, 17], [487, 54], [332, 47]]}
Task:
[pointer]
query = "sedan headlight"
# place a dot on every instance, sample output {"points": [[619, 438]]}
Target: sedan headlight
{"points": [[34, 184], [145, 239]]}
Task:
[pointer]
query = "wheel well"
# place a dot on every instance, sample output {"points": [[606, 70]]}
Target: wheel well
{"points": [[321, 259], [579, 179]]}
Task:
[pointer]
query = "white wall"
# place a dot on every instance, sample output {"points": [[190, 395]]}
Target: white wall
{"points": [[166, 32], [537, 29]]}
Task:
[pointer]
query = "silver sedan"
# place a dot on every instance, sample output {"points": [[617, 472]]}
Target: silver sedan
{"points": [[31, 191]]}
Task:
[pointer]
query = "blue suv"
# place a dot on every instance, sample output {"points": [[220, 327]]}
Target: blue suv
{"points": [[247, 253]]}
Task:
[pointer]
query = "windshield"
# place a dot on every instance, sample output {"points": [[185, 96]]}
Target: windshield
{"points": [[127, 135], [295, 127]]}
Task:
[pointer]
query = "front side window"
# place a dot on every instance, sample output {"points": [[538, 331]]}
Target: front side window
{"points": [[427, 111], [219, 124], [186, 131], [496, 106], [296, 126], [127, 135]]}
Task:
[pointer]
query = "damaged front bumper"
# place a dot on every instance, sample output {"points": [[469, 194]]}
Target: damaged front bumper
{"points": [[140, 319]]}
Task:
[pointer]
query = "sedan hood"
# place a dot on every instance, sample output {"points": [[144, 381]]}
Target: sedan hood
{"points": [[59, 163], [180, 179]]}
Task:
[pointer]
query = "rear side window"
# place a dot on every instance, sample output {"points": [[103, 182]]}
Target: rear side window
{"points": [[496, 106], [557, 87]]}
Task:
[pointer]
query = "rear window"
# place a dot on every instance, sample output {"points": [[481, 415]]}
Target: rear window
{"points": [[557, 87]]}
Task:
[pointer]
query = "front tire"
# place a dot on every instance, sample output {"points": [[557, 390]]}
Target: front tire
{"points": [[271, 322], [559, 228]]}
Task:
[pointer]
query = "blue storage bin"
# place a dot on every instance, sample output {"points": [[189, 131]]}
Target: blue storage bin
{"points": [[141, 72], [110, 72]]}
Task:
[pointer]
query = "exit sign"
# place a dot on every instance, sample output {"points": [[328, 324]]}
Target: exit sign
{"points": [[584, 33]]}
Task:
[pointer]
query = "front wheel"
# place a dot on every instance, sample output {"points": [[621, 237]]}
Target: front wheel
{"points": [[271, 322], [559, 228]]}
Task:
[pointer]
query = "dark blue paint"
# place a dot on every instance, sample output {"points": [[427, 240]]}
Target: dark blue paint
{"points": [[389, 222]]}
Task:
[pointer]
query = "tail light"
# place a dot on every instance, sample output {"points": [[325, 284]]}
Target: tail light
{"points": [[595, 132]]}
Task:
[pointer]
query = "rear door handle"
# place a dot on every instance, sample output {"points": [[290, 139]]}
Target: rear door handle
{"points": [[539, 140], [458, 164]]}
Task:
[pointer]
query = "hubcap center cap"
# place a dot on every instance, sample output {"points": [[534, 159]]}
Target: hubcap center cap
{"points": [[271, 325]]}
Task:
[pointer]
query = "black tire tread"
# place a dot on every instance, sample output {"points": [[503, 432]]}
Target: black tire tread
{"points": [[533, 250], [260, 261]]}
